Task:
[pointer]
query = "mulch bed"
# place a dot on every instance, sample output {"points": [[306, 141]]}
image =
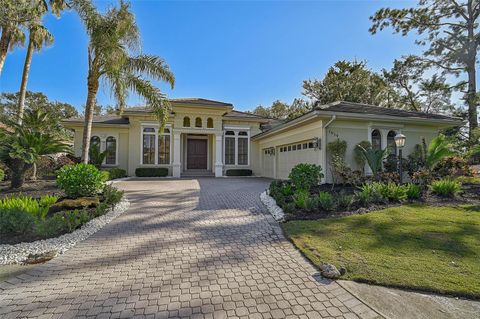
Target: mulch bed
{"points": [[470, 195], [33, 189]]}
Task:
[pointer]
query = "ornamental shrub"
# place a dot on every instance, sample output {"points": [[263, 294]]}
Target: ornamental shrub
{"points": [[114, 173], [151, 172], [111, 195], [343, 201], [38, 209], [238, 172], [326, 201], [2, 175], [413, 191], [451, 166], [81, 180], [446, 187], [305, 176], [16, 221], [301, 197], [392, 191], [370, 194]]}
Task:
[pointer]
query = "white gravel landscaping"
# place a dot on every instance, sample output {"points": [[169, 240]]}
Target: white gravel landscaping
{"points": [[18, 253], [272, 207]]}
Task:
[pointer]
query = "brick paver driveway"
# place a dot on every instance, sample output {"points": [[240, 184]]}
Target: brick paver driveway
{"points": [[186, 248]]}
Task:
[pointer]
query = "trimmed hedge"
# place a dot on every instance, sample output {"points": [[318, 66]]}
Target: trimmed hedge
{"points": [[114, 173], [151, 172], [238, 172]]}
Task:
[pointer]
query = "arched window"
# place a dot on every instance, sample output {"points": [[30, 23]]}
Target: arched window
{"points": [[198, 122], [376, 140], [391, 142], [209, 122], [95, 142], [186, 121], [111, 148]]}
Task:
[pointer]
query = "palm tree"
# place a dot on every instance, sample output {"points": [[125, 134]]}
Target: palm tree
{"points": [[13, 15], [438, 148], [114, 37], [20, 149], [38, 38]]}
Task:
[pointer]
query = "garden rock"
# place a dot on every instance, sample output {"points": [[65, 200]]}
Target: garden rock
{"points": [[272, 207], [329, 271], [40, 258], [71, 204]]}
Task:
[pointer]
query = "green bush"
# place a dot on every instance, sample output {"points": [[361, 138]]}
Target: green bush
{"points": [[305, 176], [326, 201], [2, 175], [370, 194], [392, 191], [112, 195], [114, 173], [62, 222], [16, 221], [151, 172], [81, 180], [413, 191], [238, 172], [301, 197], [343, 201], [287, 190], [36, 208], [446, 187]]}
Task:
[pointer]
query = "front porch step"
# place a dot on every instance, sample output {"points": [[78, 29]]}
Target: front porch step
{"points": [[199, 173]]}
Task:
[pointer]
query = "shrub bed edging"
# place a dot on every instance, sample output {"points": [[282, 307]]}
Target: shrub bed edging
{"points": [[272, 207], [18, 253]]}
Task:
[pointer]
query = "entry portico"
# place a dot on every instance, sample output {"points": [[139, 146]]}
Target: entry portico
{"points": [[201, 138]]}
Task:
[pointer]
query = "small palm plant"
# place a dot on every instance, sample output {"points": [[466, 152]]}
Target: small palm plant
{"points": [[20, 149], [438, 148], [374, 158]]}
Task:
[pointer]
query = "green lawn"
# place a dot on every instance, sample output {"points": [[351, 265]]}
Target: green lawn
{"points": [[421, 247]]}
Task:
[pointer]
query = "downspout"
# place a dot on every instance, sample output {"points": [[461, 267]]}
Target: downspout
{"points": [[334, 117]]}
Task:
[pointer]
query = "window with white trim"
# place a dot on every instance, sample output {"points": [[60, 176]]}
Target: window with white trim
{"points": [[229, 148], [156, 147], [164, 147], [237, 147], [148, 153], [111, 149], [242, 148]]}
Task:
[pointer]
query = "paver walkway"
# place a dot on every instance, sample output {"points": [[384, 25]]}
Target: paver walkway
{"points": [[197, 248]]}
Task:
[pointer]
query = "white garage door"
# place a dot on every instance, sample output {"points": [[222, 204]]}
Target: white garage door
{"points": [[268, 162], [293, 154]]}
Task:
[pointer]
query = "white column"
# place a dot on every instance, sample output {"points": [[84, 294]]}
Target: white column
{"points": [[368, 171], [177, 163], [218, 155]]}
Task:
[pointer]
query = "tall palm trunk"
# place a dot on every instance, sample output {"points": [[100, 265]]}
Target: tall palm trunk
{"points": [[23, 86], [4, 44], [89, 107]]}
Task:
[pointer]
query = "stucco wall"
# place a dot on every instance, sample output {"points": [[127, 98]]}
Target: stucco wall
{"points": [[121, 134], [305, 132]]}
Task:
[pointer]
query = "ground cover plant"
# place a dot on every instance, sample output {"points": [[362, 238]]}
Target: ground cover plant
{"points": [[412, 246], [24, 218]]}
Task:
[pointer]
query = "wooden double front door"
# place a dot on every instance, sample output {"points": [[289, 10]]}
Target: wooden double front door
{"points": [[197, 153]]}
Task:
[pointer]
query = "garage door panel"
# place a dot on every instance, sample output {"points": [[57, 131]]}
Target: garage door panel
{"points": [[287, 160]]}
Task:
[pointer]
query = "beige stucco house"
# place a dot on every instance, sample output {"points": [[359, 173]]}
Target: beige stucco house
{"points": [[205, 137]]}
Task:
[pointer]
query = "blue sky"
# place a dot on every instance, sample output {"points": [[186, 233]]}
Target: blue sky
{"points": [[247, 52]]}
